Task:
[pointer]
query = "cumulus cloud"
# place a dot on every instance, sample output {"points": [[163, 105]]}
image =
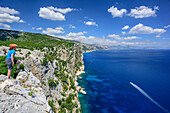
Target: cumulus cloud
{"points": [[39, 28], [64, 11], [5, 25], [141, 29], [84, 31], [75, 36], [7, 16], [158, 36], [90, 23], [50, 14], [137, 12], [167, 26], [21, 21], [132, 37], [57, 30], [71, 26], [115, 12], [8, 10], [126, 27], [79, 36], [123, 32], [54, 13], [143, 12], [117, 37]]}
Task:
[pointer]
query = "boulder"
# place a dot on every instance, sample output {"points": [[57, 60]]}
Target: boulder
{"points": [[3, 78], [22, 76], [14, 98], [32, 81]]}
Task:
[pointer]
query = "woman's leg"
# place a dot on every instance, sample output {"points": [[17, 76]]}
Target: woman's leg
{"points": [[18, 64], [9, 73]]}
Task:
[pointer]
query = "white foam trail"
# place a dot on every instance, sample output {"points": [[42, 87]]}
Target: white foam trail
{"points": [[148, 97]]}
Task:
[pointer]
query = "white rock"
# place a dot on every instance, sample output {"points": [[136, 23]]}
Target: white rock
{"points": [[3, 78], [22, 76], [32, 81]]}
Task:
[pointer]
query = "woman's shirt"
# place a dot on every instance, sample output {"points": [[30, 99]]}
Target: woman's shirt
{"points": [[10, 52]]}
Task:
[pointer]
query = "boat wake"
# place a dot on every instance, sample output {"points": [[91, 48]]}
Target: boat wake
{"points": [[148, 97]]}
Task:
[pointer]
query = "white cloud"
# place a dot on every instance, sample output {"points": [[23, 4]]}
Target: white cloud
{"points": [[74, 35], [57, 30], [91, 37], [89, 40], [126, 27], [71, 26], [7, 10], [33, 28], [90, 23], [50, 14], [39, 28], [5, 25], [115, 12], [84, 31], [8, 18], [123, 32], [130, 38], [158, 36], [117, 37], [167, 26], [21, 21], [141, 29], [64, 11], [143, 12]]}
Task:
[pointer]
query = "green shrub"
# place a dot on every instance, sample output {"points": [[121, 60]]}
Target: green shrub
{"points": [[51, 103], [19, 50], [30, 93], [21, 66], [52, 82], [57, 72], [44, 61], [59, 102], [77, 110], [62, 110], [43, 83], [27, 54], [63, 94], [4, 67]]}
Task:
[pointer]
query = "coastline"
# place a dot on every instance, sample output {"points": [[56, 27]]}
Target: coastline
{"points": [[79, 88], [88, 51]]}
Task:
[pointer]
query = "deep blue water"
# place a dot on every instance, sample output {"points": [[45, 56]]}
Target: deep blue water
{"points": [[108, 76]]}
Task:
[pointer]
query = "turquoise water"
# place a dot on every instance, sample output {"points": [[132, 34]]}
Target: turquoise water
{"points": [[108, 76]]}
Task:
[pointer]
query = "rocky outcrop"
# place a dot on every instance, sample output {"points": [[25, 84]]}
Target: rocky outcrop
{"points": [[16, 97], [48, 81]]}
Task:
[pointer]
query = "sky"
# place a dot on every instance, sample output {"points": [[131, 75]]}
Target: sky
{"points": [[136, 23]]}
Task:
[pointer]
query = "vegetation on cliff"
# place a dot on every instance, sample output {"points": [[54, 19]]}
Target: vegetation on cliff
{"points": [[55, 64]]}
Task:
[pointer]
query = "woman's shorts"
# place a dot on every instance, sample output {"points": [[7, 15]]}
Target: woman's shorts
{"points": [[9, 63]]}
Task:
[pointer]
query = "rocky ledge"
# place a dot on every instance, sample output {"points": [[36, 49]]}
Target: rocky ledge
{"points": [[22, 95], [47, 84]]}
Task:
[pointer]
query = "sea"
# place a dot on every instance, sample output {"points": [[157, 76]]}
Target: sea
{"points": [[126, 81]]}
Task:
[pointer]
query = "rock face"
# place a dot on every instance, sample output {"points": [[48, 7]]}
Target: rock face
{"points": [[15, 97], [48, 80]]}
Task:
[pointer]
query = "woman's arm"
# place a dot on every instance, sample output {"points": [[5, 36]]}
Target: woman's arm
{"points": [[12, 59]]}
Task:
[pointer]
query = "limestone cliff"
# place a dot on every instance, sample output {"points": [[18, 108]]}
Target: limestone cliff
{"points": [[47, 83]]}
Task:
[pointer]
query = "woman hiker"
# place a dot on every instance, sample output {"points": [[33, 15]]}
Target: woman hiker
{"points": [[10, 61]]}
